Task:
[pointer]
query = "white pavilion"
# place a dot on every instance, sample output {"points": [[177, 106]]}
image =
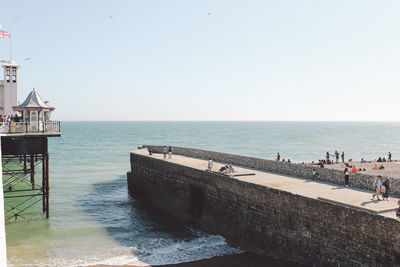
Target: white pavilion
{"points": [[34, 109]]}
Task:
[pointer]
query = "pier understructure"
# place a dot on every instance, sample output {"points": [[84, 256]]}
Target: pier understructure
{"points": [[25, 164]]}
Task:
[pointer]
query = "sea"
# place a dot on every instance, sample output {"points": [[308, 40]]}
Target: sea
{"points": [[93, 220]]}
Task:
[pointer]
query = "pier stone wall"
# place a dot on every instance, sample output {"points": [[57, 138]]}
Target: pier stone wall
{"points": [[264, 220], [357, 180]]}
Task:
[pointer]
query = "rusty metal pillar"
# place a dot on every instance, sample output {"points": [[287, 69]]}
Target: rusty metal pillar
{"points": [[47, 184], [25, 170], [43, 183], [32, 171]]}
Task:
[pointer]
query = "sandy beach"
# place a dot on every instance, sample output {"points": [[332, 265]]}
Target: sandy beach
{"points": [[237, 260], [392, 169]]}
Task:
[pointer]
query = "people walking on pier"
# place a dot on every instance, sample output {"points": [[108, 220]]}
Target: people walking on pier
{"points": [[169, 152], [278, 157], [385, 193], [210, 165], [165, 151], [337, 156], [342, 157], [377, 186], [346, 177]]}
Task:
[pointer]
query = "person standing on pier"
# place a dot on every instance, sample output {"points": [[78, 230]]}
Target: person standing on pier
{"points": [[342, 157], [169, 152], [377, 186], [165, 151], [210, 165], [346, 177], [278, 157], [327, 157], [389, 156], [314, 172], [385, 194]]}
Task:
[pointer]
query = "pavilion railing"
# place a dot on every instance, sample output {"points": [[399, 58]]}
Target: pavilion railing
{"points": [[30, 127]]}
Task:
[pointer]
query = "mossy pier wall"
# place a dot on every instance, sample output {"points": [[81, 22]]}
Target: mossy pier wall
{"points": [[264, 220]]}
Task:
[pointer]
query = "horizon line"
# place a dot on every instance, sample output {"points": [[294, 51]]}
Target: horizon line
{"points": [[229, 121]]}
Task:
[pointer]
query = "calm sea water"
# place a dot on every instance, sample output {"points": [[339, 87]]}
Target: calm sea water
{"points": [[94, 221]]}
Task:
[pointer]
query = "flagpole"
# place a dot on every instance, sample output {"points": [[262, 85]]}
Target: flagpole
{"points": [[10, 51]]}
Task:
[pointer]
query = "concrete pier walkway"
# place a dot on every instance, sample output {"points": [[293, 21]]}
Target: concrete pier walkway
{"points": [[338, 194]]}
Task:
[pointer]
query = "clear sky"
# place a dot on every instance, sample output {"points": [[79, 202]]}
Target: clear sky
{"points": [[171, 60]]}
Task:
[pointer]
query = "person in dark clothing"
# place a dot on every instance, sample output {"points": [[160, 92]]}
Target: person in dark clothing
{"points": [[337, 156], [342, 157], [385, 195], [346, 177], [170, 152], [389, 156], [327, 156]]}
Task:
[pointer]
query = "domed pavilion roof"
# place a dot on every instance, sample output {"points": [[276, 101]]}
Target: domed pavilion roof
{"points": [[33, 102]]}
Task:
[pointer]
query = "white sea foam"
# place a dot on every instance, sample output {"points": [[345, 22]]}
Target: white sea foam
{"points": [[174, 252]]}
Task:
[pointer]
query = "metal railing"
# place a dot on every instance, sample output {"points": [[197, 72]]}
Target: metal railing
{"points": [[30, 127]]}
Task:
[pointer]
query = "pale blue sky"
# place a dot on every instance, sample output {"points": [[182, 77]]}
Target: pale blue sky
{"points": [[170, 60]]}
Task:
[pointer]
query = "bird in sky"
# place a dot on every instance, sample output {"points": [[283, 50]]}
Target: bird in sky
{"points": [[16, 18], [209, 13], [31, 56], [110, 17]]}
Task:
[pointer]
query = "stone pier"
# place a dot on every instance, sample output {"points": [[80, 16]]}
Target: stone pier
{"points": [[280, 213]]}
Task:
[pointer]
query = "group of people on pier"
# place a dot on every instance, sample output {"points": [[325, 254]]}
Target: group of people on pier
{"points": [[381, 187], [11, 118], [169, 151], [225, 169]]}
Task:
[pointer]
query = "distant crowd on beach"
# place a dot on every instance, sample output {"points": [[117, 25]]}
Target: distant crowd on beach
{"points": [[278, 158], [328, 160], [349, 163]]}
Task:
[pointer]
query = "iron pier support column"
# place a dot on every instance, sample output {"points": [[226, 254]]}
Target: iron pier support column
{"points": [[46, 159]]}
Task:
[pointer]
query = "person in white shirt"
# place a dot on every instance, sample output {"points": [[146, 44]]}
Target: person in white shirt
{"points": [[210, 164], [165, 151], [377, 186]]}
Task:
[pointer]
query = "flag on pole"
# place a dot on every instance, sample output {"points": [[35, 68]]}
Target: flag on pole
{"points": [[5, 35]]}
